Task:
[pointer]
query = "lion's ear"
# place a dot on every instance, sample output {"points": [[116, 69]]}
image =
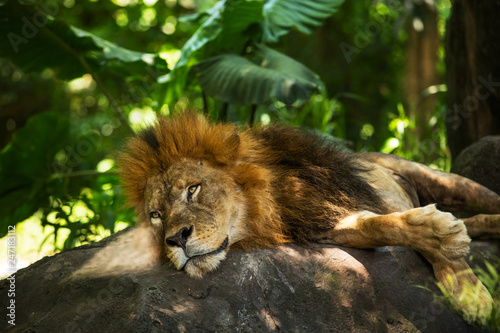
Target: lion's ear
{"points": [[229, 149], [251, 177], [233, 142]]}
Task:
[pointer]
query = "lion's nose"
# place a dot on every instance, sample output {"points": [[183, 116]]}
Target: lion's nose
{"points": [[180, 238]]}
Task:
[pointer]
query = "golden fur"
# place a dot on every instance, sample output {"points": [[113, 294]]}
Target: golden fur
{"points": [[270, 190], [220, 146]]}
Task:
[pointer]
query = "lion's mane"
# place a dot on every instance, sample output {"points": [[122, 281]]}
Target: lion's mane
{"points": [[294, 182]]}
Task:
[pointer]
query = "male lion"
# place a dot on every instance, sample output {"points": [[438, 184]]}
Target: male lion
{"points": [[205, 187]]}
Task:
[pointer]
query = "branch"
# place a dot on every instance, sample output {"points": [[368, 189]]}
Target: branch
{"points": [[116, 109], [83, 173]]}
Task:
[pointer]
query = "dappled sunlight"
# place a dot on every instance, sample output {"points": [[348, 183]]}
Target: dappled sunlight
{"points": [[82, 83], [171, 57], [29, 245], [340, 274], [270, 322], [131, 251], [139, 118]]}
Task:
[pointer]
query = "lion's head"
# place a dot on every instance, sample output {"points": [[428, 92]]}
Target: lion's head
{"points": [[194, 184], [196, 210]]}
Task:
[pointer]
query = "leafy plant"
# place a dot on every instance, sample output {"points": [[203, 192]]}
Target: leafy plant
{"points": [[236, 67], [408, 141], [68, 51], [490, 277], [488, 274]]}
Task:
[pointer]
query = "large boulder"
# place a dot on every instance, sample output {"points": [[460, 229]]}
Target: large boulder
{"points": [[481, 162], [120, 285]]}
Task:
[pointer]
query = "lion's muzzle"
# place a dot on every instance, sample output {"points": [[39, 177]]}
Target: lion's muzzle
{"points": [[180, 238]]}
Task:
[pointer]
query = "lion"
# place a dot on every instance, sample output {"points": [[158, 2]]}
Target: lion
{"points": [[205, 187]]}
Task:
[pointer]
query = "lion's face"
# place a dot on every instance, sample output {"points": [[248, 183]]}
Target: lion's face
{"points": [[195, 211]]}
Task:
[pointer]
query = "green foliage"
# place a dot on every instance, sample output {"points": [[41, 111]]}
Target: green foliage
{"points": [[26, 168], [489, 276], [282, 15], [67, 50], [408, 141], [59, 165]]}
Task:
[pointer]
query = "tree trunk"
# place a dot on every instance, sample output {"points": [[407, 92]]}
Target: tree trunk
{"points": [[421, 62], [473, 72]]}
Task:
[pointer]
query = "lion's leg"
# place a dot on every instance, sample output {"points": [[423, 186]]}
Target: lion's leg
{"points": [[439, 237], [483, 226], [451, 192]]}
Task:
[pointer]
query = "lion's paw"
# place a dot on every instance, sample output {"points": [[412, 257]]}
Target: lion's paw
{"points": [[437, 234]]}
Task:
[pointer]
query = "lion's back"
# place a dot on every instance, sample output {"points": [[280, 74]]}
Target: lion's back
{"points": [[316, 180]]}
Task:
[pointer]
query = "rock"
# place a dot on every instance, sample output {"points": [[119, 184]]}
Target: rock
{"points": [[119, 285], [481, 162]]}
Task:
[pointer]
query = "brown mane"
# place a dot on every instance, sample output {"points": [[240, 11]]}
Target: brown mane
{"points": [[293, 181]]}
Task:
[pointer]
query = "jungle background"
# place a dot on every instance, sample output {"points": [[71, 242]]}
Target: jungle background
{"points": [[79, 77]]}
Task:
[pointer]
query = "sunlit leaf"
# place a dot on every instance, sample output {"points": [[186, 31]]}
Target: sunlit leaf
{"points": [[389, 145]]}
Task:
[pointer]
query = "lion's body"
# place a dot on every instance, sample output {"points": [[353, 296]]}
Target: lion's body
{"points": [[293, 182], [205, 187]]}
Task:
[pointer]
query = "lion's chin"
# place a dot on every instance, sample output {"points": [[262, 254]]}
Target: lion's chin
{"points": [[198, 266]]}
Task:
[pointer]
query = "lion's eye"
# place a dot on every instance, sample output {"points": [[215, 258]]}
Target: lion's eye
{"points": [[154, 215], [191, 190]]}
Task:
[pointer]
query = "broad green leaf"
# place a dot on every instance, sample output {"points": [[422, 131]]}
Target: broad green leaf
{"points": [[272, 59], [34, 42], [281, 15], [26, 167], [237, 80]]}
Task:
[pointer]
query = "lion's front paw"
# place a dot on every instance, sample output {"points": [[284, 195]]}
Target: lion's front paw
{"points": [[438, 235]]}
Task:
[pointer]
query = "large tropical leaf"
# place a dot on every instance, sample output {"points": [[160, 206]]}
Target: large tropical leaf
{"points": [[269, 58], [26, 167], [281, 15], [34, 42], [274, 76]]}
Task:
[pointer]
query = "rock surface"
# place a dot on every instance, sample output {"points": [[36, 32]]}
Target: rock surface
{"points": [[481, 162], [118, 285]]}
